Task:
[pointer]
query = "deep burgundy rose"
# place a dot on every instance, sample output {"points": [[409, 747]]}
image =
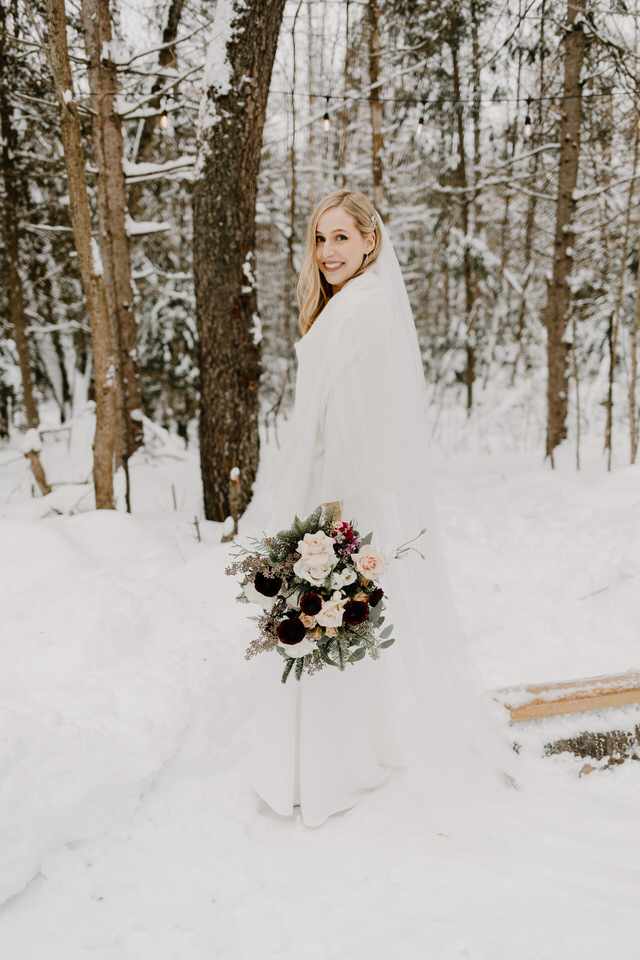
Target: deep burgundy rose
{"points": [[267, 586], [292, 630], [311, 604], [376, 597], [355, 613]]}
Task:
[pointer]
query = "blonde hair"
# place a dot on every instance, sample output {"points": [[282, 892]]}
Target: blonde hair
{"points": [[312, 290]]}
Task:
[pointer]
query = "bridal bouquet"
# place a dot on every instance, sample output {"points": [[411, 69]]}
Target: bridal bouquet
{"points": [[317, 585]]}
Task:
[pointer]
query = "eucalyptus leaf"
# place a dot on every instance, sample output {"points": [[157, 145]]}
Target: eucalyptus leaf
{"points": [[386, 632], [387, 643]]}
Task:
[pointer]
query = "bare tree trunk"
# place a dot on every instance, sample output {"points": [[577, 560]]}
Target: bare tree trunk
{"points": [[88, 256], [224, 242], [475, 115], [114, 242], [375, 104], [633, 377], [558, 292], [15, 292], [615, 325], [344, 140], [311, 159], [461, 180], [289, 287]]}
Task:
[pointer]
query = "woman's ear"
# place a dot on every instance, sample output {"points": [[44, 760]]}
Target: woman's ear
{"points": [[371, 243]]}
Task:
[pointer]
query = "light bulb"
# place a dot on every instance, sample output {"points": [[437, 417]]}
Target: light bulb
{"points": [[528, 126], [164, 121], [326, 123], [420, 127]]}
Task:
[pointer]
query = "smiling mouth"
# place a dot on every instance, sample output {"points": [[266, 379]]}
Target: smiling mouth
{"points": [[334, 265]]}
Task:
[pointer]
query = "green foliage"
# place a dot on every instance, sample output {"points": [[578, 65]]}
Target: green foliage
{"points": [[287, 668]]}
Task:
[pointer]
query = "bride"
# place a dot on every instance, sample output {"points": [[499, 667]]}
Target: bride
{"points": [[359, 441]]}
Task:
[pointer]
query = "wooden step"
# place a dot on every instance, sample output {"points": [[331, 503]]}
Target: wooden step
{"points": [[551, 699]]}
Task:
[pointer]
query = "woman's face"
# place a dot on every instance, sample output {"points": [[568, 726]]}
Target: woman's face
{"points": [[340, 247]]}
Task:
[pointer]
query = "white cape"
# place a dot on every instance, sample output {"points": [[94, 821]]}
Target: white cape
{"points": [[323, 741]]}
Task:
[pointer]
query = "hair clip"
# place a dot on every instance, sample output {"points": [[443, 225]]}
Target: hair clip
{"points": [[373, 221]]}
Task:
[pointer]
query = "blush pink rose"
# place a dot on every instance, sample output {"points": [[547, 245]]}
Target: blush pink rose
{"points": [[316, 550], [331, 613], [369, 562]]}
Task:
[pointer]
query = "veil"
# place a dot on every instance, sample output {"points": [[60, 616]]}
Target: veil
{"points": [[463, 734], [386, 438]]}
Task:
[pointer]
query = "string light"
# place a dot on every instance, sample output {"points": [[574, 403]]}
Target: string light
{"points": [[164, 120], [326, 120], [420, 126], [528, 125]]}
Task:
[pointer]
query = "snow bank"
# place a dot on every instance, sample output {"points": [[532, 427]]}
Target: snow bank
{"points": [[103, 672]]}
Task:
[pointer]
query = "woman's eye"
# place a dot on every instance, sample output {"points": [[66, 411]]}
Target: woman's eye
{"points": [[319, 239]]}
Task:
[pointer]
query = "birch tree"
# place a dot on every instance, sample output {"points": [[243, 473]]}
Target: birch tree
{"points": [[237, 76]]}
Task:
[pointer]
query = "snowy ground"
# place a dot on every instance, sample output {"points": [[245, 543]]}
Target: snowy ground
{"points": [[129, 828]]}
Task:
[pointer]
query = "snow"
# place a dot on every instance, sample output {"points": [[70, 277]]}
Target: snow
{"points": [[128, 823], [141, 228], [96, 259], [217, 68], [31, 442], [256, 329], [153, 171]]}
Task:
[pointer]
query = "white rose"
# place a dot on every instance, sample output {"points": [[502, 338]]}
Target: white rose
{"points": [[253, 596], [316, 550], [336, 580], [312, 575], [299, 649], [342, 578], [331, 613]]}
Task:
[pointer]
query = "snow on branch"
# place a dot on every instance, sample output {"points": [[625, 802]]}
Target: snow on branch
{"points": [[142, 228], [160, 93], [46, 228], [596, 191], [138, 172], [68, 327]]}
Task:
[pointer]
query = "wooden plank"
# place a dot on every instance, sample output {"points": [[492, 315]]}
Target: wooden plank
{"points": [[552, 699]]}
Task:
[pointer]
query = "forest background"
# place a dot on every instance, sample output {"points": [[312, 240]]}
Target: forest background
{"points": [[159, 165]]}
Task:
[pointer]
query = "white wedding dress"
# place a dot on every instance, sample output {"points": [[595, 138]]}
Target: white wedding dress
{"points": [[359, 436], [324, 741]]}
